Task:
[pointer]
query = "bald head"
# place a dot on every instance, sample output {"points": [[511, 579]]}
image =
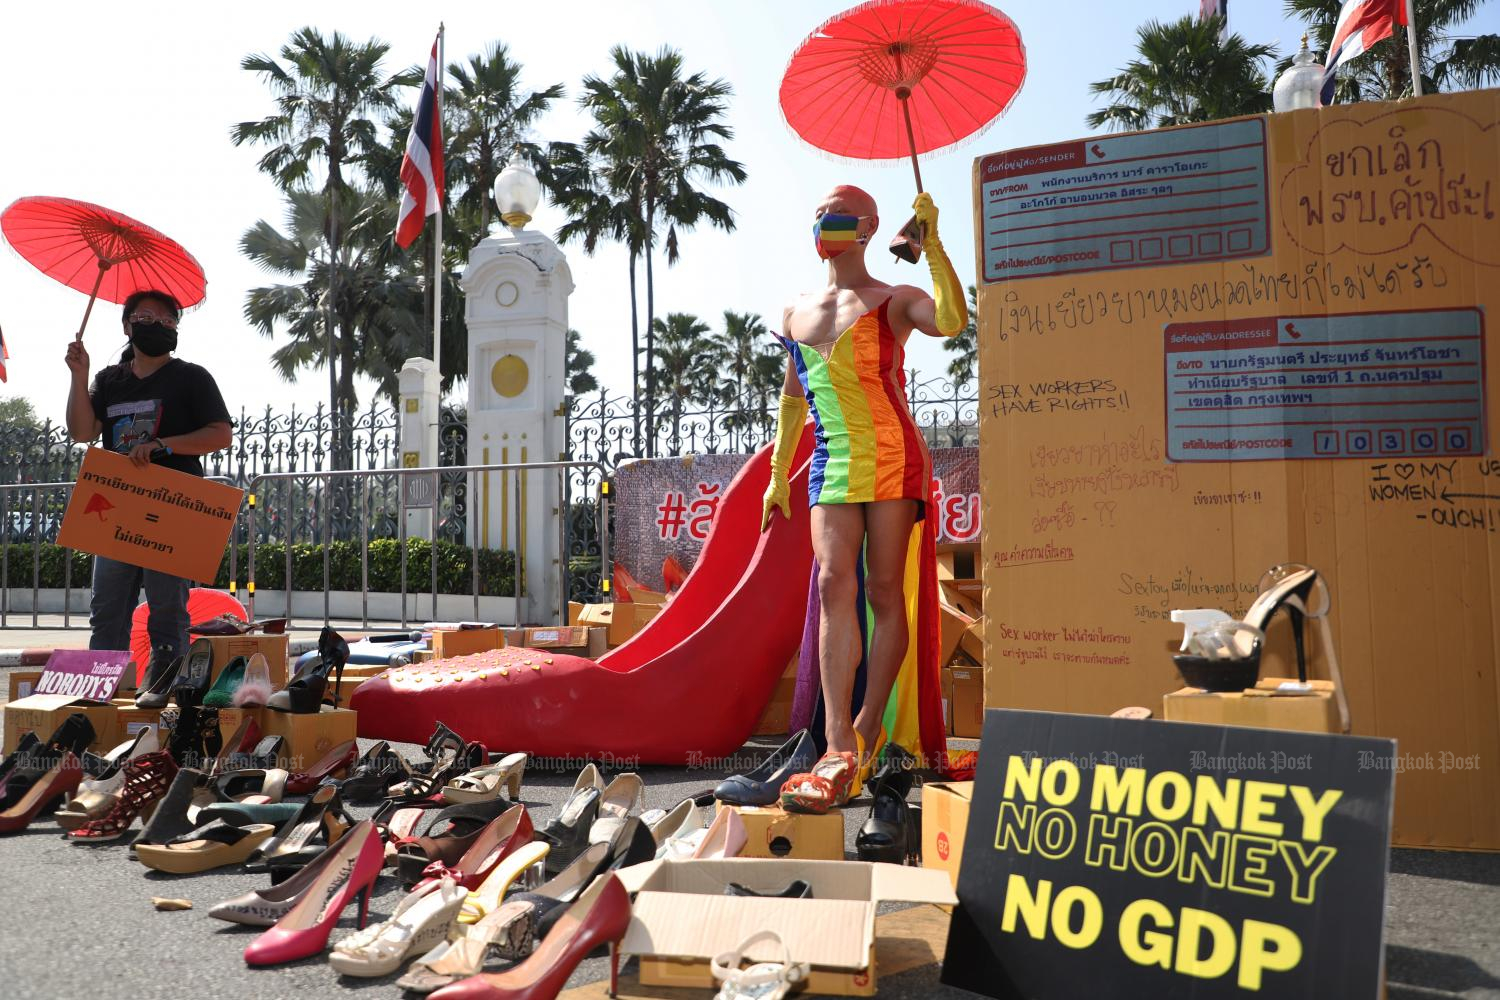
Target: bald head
{"points": [[846, 199]]}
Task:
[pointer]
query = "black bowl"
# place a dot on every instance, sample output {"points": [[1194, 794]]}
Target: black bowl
{"points": [[1218, 674]]}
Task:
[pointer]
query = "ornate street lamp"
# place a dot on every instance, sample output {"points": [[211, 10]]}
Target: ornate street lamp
{"points": [[517, 193], [1300, 86]]}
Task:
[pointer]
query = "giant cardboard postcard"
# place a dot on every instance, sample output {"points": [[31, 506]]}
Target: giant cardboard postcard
{"points": [[1211, 349]]}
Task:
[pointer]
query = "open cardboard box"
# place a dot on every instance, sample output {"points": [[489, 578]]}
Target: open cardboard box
{"points": [[1268, 705], [274, 647], [464, 641], [945, 819], [43, 713], [682, 919], [621, 619], [574, 640]]}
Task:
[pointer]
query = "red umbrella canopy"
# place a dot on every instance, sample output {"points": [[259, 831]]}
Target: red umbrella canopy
{"points": [[957, 64], [70, 241]]}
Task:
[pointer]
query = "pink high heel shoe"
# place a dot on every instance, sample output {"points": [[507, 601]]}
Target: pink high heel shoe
{"points": [[726, 836], [304, 930]]}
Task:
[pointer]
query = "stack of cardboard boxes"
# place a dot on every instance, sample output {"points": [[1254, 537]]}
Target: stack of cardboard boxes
{"points": [[961, 599]]}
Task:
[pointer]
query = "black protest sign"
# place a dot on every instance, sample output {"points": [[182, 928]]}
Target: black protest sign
{"points": [[1127, 858]]}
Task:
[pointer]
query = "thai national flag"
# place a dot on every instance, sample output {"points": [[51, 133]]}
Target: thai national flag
{"points": [[422, 166], [1361, 24]]}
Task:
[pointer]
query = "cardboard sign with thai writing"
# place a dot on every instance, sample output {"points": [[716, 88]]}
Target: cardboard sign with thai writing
{"points": [[662, 508], [151, 517], [1127, 858], [89, 674]]}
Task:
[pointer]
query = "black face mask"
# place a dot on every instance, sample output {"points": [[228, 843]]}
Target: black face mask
{"points": [[152, 339]]}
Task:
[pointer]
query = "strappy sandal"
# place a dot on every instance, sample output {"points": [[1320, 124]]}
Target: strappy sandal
{"points": [[486, 782], [825, 787], [375, 773], [761, 981], [448, 836], [147, 778]]}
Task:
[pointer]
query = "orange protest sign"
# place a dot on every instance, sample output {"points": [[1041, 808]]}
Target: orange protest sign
{"points": [[152, 517]]}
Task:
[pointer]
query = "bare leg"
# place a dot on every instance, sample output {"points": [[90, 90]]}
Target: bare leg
{"points": [[838, 531], [888, 523]]}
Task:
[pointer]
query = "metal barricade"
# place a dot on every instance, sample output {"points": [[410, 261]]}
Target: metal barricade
{"points": [[311, 499], [36, 519]]}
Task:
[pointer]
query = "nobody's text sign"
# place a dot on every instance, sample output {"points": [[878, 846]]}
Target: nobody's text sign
{"points": [[152, 517], [89, 674], [1126, 858]]}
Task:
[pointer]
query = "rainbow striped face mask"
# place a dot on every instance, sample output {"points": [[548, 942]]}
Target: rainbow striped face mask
{"points": [[833, 234]]}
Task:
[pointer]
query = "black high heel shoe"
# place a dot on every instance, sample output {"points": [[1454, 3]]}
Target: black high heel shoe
{"points": [[1302, 592], [374, 774], [303, 694], [190, 683], [334, 649], [889, 834], [160, 679], [293, 846], [567, 835], [73, 735]]}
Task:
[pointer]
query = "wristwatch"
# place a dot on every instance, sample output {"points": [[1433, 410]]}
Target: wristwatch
{"points": [[163, 446]]}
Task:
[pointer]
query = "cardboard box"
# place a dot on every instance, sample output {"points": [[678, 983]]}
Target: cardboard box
{"points": [[1261, 707], [43, 713], [131, 720], [947, 688], [1107, 503], [462, 642], [965, 595], [681, 918], [308, 736], [227, 647], [777, 717], [953, 623], [23, 682], [945, 818], [968, 701], [422, 656], [620, 619], [772, 832], [574, 640]]}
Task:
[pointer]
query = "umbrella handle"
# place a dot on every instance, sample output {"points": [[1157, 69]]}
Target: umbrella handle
{"points": [[907, 244], [103, 266], [904, 96]]}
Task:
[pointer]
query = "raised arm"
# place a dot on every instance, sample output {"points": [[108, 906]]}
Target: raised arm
{"points": [[946, 313]]}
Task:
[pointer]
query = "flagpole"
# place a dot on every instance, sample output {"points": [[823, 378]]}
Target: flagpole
{"points": [[1411, 48], [437, 254]]}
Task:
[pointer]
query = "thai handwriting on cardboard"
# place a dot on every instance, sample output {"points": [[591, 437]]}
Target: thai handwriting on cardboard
{"points": [[1188, 195], [1370, 186], [1340, 386]]}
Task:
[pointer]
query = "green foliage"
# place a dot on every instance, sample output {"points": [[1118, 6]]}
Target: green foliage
{"points": [[1448, 61], [1185, 73], [455, 574], [580, 365], [963, 368], [19, 558]]}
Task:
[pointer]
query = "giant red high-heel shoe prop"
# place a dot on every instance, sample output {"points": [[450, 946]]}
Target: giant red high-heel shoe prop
{"points": [[708, 662]]}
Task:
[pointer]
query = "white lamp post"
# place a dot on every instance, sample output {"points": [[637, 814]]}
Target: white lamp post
{"points": [[517, 193], [1301, 85]]}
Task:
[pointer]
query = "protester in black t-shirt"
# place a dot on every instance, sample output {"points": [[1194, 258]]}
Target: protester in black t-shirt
{"points": [[154, 408]]}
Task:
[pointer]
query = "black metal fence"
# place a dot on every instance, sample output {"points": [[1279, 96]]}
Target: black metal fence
{"points": [[601, 429]]}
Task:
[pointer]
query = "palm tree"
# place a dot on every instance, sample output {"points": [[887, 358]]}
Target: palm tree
{"points": [[595, 213], [579, 366], [489, 119], [754, 365], [965, 346], [688, 363], [1449, 61], [658, 135], [374, 305], [1185, 73], [327, 90]]}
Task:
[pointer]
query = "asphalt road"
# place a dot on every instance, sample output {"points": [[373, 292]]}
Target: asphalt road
{"points": [[77, 921]]}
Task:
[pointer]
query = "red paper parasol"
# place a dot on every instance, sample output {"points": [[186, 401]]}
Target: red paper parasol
{"points": [[896, 78], [101, 252], [203, 605]]}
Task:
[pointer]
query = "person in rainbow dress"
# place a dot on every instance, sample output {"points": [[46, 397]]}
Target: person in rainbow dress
{"points": [[869, 657]]}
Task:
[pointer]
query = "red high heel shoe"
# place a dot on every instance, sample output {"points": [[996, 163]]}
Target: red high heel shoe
{"points": [[304, 930], [502, 837], [336, 761], [55, 785], [598, 916], [147, 779], [568, 706]]}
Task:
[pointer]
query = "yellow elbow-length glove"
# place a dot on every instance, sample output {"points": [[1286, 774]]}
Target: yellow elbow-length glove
{"points": [[952, 311], [790, 417]]}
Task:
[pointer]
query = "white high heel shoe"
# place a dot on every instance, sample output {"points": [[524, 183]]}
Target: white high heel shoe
{"points": [[422, 920], [484, 783], [620, 799]]}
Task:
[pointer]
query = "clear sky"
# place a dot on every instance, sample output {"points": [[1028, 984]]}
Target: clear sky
{"points": [[130, 105]]}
